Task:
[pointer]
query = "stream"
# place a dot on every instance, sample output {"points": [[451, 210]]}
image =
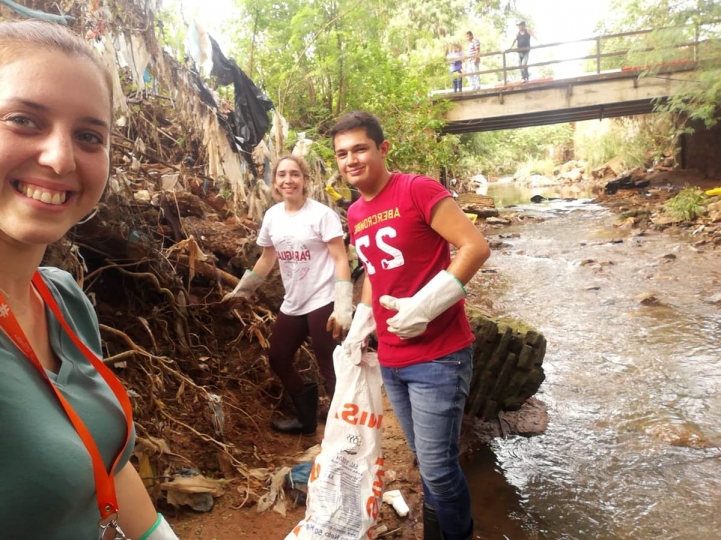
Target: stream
{"points": [[633, 380]]}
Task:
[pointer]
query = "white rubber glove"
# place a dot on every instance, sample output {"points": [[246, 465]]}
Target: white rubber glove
{"points": [[416, 312], [160, 531], [246, 286], [340, 320], [363, 325]]}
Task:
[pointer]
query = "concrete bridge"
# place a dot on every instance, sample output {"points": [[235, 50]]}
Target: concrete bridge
{"points": [[569, 100], [619, 91]]}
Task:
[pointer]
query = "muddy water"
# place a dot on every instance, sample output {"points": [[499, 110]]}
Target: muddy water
{"points": [[633, 390]]}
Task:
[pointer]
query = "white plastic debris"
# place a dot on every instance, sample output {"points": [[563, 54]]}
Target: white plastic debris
{"points": [[395, 499]]}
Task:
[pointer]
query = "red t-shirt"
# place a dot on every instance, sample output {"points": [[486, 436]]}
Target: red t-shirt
{"points": [[401, 253]]}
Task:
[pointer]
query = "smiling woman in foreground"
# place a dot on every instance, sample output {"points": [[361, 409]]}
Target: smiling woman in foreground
{"points": [[67, 422]]}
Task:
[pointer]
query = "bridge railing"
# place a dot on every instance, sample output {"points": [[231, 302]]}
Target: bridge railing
{"points": [[602, 53]]}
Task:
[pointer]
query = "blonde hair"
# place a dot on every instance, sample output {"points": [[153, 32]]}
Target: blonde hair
{"points": [[302, 165], [19, 38]]}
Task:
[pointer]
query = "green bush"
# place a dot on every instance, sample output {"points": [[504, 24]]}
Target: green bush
{"points": [[544, 167], [687, 205], [499, 153], [637, 141]]}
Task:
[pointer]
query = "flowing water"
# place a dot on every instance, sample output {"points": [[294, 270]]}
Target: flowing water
{"points": [[507, 193], [633, 383]]}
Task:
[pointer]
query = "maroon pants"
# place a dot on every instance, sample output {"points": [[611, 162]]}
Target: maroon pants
{"points": [[289, 333]]}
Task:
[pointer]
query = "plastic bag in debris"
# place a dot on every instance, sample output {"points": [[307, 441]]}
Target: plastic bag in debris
{"points": [[346, 481], [300, 474], [250, 118], [297, 482]]}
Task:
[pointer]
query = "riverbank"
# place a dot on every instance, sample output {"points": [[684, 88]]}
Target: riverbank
{"points": [[646, 210], [642, 200], [640, 211], [234, 517]]}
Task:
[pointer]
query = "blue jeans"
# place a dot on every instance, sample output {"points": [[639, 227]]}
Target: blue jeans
{"points": [[457, 81], [428, 399], [523, 62]]}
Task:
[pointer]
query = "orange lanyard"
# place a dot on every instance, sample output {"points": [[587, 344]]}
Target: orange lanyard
{"points": [[104, 481]]}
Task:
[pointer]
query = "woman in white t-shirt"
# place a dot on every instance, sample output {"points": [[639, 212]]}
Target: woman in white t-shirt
{"points": [[306, 237]]}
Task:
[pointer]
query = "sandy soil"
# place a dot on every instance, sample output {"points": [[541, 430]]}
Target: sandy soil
{"points": [[228, 521]]}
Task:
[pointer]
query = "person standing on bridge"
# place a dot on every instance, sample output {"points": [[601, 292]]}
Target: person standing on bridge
{"points": [[455, 57], [413, 296], [523, 40], [306, 237], [473, 61]]}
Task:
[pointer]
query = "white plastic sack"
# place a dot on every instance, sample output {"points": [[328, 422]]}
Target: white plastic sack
{"points": [[346, 481]]}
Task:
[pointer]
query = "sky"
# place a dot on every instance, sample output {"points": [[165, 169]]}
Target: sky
{"points": [[561, 20], [211, 19]]}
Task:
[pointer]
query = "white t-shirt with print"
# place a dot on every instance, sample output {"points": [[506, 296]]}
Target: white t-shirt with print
{"points": [[306, 267]]}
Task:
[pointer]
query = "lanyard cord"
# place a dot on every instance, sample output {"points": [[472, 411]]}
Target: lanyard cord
{"points": [[104, 481]]}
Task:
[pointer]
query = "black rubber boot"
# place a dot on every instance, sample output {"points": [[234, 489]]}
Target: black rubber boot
{"points": [[431, 527], [306, 404], [470, 534]]}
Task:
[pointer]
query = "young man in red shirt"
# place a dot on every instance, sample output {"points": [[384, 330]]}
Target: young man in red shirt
{"points": [[401, 228]]}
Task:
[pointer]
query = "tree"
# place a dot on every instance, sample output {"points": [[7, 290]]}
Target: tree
{"points": [[319, 58], [497, 153], [683, 30]]}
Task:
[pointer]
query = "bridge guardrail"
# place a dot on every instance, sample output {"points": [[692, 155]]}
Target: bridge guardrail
{"points": [[686, 51]]}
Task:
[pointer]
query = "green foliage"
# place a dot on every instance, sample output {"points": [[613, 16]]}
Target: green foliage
{"points": [[636, 141], [602, 148], [677, 25], [319, 58], [171, 30], [544, 167], [630, 15], [700, 98], [413, 21], [687, 205], [497, 153]]}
